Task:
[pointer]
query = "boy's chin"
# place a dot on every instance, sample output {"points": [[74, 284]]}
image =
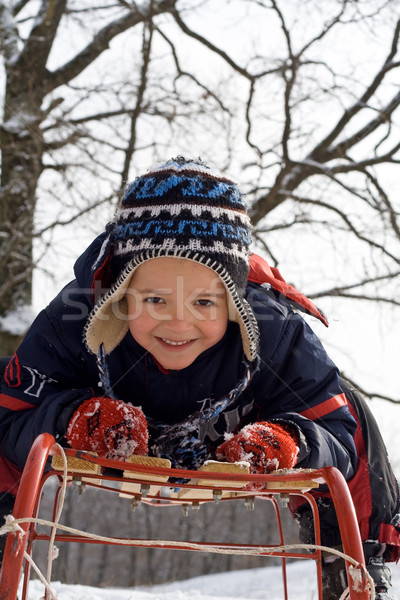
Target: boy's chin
{"points": [[175, 365]]}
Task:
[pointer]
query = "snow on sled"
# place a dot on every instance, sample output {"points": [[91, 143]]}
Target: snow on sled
{"points": [[154, 482]]}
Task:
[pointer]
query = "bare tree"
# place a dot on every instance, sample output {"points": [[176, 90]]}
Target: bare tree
{"points": [[287, 96], [32, 129]]}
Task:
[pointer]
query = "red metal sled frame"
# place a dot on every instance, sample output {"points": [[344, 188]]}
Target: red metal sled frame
{"points": [[34, 477]]}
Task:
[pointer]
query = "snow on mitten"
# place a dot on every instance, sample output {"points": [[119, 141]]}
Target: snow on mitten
{"points": [[266, 446], [112, 428]]}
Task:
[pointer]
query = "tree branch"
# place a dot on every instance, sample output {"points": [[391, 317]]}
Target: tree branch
{"points": [[384, 116], [370, 395], [73, 218], [348, 223], [211, 46], [289, 77], [337, 291], [18, 6], [349, 113], [102, 39], [41, 38], [182, 73], [146, 50]]}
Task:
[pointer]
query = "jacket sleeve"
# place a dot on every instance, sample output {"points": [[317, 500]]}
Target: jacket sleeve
{"points": [[298, 383], [46, 379]]}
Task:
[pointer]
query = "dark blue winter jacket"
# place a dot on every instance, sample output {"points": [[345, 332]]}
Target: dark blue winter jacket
{"points": [[53, 372]]}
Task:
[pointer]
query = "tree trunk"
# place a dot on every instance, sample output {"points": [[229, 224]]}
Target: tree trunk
{"points": [[22, 150]]}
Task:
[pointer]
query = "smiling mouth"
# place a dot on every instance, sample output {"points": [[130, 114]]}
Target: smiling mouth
{"points": [[173, 343]]}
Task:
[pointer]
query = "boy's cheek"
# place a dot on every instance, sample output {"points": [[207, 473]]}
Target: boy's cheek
{"points": [[215, 329], [140, 335], [144, 326]]}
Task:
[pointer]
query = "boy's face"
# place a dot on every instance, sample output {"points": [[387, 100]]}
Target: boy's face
{"points": [[177, 309]]}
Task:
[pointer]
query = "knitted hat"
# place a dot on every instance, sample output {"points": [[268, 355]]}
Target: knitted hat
{"points": [[181, 209]]}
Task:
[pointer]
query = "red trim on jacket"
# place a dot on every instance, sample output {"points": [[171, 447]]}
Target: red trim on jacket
{"points": [[389, 535], [261, 272], [320, 410], [100, 281], [12, 373], [359, 484], [14, 403], [160, 367]]}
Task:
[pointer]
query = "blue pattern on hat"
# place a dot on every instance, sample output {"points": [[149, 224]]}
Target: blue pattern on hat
{"points": [[156, 227], [147, 187]]}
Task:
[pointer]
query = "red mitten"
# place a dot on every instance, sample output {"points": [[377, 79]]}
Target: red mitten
{"points": [[112, 428], [266, 446]]}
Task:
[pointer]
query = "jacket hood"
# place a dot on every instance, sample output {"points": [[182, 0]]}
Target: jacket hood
{"points": [[88, 269]]}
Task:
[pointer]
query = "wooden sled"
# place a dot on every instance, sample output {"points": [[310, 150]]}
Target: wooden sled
{"points": [[146, 479]]}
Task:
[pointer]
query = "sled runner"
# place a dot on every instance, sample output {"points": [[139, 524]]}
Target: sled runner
{"points": [[148, 480]]}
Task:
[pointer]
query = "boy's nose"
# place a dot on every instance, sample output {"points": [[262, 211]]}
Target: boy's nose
{"points": [[181, 319]]}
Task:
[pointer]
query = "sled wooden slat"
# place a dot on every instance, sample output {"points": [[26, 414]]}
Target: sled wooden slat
{"points": [[196, 493], [79, 467], [308, 483], [146, 478], [225, 468]]}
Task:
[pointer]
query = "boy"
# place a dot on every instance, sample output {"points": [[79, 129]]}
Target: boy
{"points": [[192, 351]]}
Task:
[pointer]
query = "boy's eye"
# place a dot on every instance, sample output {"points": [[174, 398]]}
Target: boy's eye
{"points": [[205, 302], [153, 300]]}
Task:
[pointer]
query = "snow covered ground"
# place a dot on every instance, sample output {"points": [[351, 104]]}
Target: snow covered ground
{"points": [[254, 584]]}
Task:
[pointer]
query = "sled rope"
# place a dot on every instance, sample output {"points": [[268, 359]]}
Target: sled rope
{"points": [[49, 594], [358, 572], [53, 552]]}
